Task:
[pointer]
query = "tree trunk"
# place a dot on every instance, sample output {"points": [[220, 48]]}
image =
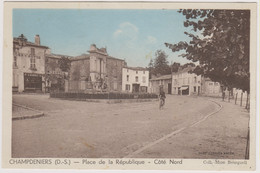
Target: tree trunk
{"points": [[228, 95], [236, 99], [241, 99]]}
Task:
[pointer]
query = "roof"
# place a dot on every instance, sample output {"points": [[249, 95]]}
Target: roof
{"points": [[137, 68], [58, 56], [110, 57], [80, 57], [164, 77], [27, 43]]}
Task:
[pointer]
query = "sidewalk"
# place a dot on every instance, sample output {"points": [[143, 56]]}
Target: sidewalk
{"points": [[23, 112], [222, 135]]}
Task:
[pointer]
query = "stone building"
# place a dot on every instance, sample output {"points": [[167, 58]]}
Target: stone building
{"points": [[185, 83], [135, 79], [164, 82], [210, 88], [54, 76], [96, 71], [28, 65]]}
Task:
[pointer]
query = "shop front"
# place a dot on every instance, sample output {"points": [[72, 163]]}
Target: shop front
{"points": [[32, 82], [184, 90]]}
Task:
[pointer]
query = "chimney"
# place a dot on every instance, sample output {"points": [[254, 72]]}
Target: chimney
{"points": [[37, 39]]}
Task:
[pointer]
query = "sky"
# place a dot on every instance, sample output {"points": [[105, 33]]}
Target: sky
{"points": [[132, 35]]}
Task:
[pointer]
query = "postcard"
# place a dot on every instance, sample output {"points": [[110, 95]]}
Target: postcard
{"points": [[129, 85]]}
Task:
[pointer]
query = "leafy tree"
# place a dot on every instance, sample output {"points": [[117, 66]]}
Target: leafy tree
{"points": [[175, 67], [188, 64], [64, 64], [220, 42], [161, 66]]}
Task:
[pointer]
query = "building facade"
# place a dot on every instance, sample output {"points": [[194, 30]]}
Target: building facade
{"points": [[164, 82], [28, 65], [96, 71], [210, 88], [135, 79], [185, 83]]}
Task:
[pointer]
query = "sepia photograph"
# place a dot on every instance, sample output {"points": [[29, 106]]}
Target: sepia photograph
{"points": [[163, 84]]}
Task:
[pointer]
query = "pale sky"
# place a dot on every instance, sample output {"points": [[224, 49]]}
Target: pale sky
{"points": [[133, 35]]}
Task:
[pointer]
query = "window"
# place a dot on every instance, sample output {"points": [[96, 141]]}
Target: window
{"points": [[115, 84], [127, 77], [210, 83], [32, 66], [195, 79], [127, 87], [32, 51], [194, 89], [144, 79], [15, 61], [136, 72], [136, 79]]}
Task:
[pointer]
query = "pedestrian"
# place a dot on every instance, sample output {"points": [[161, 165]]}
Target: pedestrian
{"points": [[162, 98], [223, 95]]}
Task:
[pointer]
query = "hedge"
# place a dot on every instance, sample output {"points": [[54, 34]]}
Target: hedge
{"points": [[110, 95]]}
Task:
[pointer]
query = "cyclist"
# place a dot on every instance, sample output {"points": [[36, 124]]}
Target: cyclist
{"points": [[162, 98]]}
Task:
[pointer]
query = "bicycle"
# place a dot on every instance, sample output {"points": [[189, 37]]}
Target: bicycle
{"points": [[161, 102]]}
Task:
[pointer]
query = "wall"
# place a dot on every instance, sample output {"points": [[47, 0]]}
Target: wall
{"points": [[23, 56], [80, 69], [132, 78], [182, 79], [156, 84], [114, 74]]}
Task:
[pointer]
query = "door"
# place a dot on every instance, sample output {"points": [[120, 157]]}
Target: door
{"points": [[32, 82], [136, 88], [169, 88]]}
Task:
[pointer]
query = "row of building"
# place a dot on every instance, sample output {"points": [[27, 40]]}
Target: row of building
{"points": [[36, 69], [185, 83]]}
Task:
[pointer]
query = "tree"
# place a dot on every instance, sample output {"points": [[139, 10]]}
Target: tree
{"points": [[64, 64], [151, 68], [221, 45], [175, 67], [161, 66], [188, 64]]}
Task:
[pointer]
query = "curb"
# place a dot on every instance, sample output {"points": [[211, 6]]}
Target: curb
{"points": [[28, 117], [37, 115]]}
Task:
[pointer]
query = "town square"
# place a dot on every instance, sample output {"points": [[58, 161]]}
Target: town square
{"points": [[155, 83]]}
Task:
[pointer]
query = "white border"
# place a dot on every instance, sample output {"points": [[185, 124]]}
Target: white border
{"points": [[257, 103]]}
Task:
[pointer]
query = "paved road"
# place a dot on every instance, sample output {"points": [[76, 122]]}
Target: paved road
{"points": [[84, 129]]}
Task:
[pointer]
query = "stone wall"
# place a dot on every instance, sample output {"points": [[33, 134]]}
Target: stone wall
{"points": [[80, 70], [114, 74]]}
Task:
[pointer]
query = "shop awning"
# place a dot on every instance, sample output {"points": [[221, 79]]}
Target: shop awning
{"points": [[183, 88]]}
